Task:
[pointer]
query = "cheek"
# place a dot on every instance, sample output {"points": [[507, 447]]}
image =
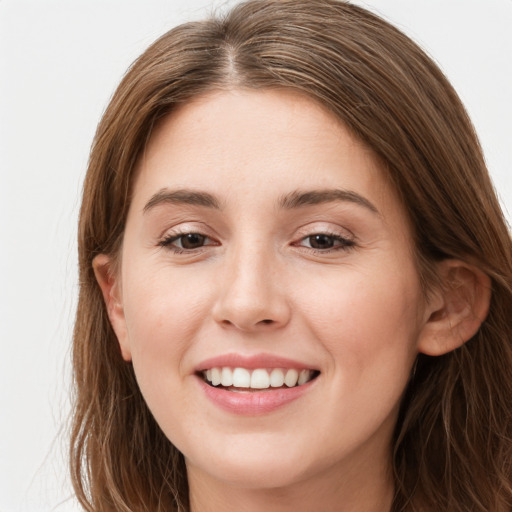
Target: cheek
{"points": [[163, 314], [367, 323], [163, 317]]}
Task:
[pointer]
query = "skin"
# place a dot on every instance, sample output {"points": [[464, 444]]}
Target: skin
{"points": [[255, 284]]}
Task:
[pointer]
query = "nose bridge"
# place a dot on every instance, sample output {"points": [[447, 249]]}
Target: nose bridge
{"points": [[251, 293]]}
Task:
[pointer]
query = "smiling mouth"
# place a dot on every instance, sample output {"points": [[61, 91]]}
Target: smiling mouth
{"points": [[245, 380]]}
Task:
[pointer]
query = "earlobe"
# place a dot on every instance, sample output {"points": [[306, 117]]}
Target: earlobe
{"points": [[110, 285], [458, 308]]}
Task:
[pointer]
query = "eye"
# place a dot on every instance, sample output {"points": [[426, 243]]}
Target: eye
{"points": [[325, 242], [186, 241]]}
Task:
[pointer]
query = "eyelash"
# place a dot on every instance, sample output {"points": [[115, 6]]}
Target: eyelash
{"points": [[168, 241], [343, 243]]}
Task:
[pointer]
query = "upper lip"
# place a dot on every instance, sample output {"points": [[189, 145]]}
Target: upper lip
{"points": [[252, 362]]}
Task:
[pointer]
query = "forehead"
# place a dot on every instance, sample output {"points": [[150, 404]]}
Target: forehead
{"points": [[263, 133]]}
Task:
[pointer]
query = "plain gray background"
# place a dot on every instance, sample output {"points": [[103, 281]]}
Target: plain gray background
{"points": [[59, 64]]}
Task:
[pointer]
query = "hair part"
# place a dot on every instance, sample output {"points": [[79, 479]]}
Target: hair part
{"points": [[452, 446]]}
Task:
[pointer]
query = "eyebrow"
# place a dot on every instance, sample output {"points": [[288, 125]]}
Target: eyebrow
{"points": [[293, 200], [298, 199], [182, 196]]}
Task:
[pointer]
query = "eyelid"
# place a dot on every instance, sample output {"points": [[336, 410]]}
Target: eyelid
{"points": [[172, 234], [345, 238], [343, 243], [324, 228], [172, 237], [184, 227]]}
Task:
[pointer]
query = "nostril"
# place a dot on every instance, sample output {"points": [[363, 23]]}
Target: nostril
{"points": [[266, 321]]}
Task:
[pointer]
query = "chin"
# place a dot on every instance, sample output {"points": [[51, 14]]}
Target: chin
{"points": [[255, 468]]}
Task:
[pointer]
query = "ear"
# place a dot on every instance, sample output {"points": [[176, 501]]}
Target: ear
{"points": [[457, 309], [110, 285]]}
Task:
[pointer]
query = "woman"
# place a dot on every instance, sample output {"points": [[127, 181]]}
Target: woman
{"points": [[295, 278]]}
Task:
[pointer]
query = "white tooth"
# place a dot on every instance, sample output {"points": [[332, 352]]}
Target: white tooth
{"points": [[216, 376], [241, 378], [260, 379], [226, 377], [304, 376], [291, 377], [277, 378], [209, 375]]}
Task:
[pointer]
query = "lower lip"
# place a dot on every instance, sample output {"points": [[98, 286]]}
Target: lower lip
{"points": [[253, 402]]}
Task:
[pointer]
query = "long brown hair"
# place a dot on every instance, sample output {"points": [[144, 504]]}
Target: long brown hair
{"points": [[453, 442]]}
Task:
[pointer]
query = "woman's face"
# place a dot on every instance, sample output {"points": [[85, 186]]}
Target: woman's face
{"points": [[264, 244]]}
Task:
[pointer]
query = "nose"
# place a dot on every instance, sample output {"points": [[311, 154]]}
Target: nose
{"points": [[252, 294]]}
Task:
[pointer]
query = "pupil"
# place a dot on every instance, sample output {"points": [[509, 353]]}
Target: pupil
{"points": [[321, 242], [192, 241]]}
